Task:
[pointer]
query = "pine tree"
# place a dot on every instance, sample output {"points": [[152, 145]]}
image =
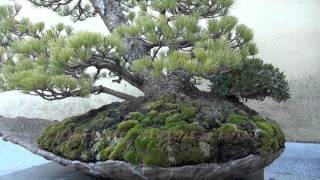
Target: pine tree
{"points": [[149, 41], [162, 47]]}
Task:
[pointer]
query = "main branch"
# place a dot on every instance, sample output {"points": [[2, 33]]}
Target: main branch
{"points": [[106, 63], [102, 89], [52, 94]]}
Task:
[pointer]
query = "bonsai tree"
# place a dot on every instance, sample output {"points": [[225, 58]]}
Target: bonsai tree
{"points": [[165, 48]]}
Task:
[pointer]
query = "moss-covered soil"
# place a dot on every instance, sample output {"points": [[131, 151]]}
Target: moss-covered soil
{"points": [[167, 132]]}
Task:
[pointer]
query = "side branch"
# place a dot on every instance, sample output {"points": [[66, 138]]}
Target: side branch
{"points": [[102, 63], [102, 89], [78, 9], [52, 94]]}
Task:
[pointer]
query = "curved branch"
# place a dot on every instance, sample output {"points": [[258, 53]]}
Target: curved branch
{"points": [[77, 10], [106, 63], [102, 89], [51, 94]]}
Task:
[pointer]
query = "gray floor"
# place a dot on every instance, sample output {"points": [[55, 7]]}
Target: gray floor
{"points": [[298, 162], [49, 171]]}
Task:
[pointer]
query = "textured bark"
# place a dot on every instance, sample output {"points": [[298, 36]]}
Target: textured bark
{"points": [[110, 12], [24, 132], [174, 83], [101, 89], [112, 16]]}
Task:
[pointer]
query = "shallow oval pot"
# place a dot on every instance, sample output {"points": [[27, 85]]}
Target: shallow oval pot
{"points": [[25, 132]]}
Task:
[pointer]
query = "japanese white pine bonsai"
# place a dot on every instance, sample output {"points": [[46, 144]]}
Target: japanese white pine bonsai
{"points": [[165, 48]]}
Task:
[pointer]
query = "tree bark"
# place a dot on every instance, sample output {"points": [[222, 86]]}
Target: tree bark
{"points": [[177, 83], [102, 89], [110, 12]]}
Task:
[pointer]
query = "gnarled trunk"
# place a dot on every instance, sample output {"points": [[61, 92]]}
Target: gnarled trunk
{"points": [[177, 83]]}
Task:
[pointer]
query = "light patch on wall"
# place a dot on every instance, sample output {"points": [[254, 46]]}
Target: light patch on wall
{"points": [[286, 32]]}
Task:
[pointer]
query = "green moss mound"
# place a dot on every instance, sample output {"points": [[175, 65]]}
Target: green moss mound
{"points": [[166, 132]]}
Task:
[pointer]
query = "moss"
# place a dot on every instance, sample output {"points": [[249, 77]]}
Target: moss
{"points": [[86, 156], [69, 150], [147, 144], [226, 129], [151, 119], [143, 140], [152, 114], [258, 118], [74, 142], [154, 157], [279, 134], [163, 115], [74, 154], [183, 126], [107, 139], [188, 112], [105, 153], [154, 146], [173, 119], [157, 105], [72, 137], [132, 157], [168, 99], [220, 115], [136, 116], [166, 132], [120, 147], [272, 138], [242, 113], [47, 136], [170, 105], [163, 103], [267, 143], [147, 121], [182, 147], [265, 126], [98, 121], [54, 134], [232, 143], [238, 119], [125, 126], [74, 148]]}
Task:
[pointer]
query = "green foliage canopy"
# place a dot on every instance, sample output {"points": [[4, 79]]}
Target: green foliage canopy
{"points": [[198, 37]]}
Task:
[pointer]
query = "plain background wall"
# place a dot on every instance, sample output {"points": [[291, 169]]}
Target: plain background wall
{"points": [[287, 35]]}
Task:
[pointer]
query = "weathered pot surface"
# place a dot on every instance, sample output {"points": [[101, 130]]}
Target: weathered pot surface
{"points": [[25, 132]]}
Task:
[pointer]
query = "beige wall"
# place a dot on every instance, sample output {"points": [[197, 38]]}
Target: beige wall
{"points": [[287, 34], [286, 31]]}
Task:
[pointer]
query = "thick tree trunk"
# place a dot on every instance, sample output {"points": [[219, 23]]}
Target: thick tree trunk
{"points": [[177, 83], [110, 12]]}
